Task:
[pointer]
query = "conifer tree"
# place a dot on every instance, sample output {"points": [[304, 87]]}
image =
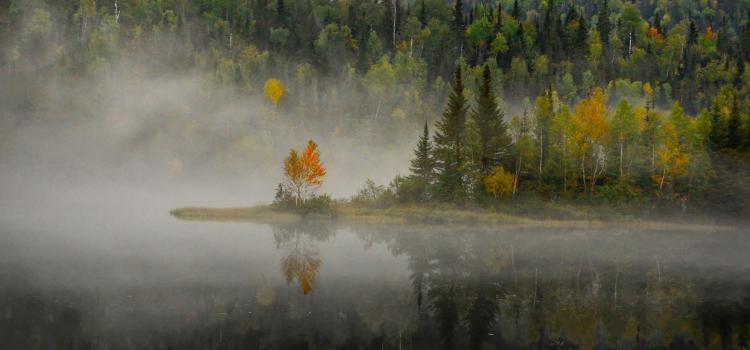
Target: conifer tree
{"points": [[745, 40], [516, 12], [717, 134], [457, 25], [733, 126], [422, 13], [492, 128], [603, 26], [422, 166], [448, 144], [280, 13]]}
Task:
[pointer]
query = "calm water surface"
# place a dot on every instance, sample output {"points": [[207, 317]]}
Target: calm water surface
{"points": [[79, 274]]}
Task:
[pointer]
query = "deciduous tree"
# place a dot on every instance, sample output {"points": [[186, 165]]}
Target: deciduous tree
{"points": [[303, 171]]}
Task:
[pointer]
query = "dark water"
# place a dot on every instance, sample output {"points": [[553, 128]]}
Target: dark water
{"points": [[77, 274]]}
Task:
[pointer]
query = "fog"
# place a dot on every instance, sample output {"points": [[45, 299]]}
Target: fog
{"points": [[90, 167], [185, 137]]}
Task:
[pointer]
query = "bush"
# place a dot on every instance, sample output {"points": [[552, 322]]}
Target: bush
{"points": [[619, 191], [316, 204], [377, 196]]}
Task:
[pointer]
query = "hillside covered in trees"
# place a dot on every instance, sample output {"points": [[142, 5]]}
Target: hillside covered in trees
{"points": [[563, 99]]}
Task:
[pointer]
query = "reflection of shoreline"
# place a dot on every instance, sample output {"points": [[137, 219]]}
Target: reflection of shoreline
{"points": [[477, 289], [346, 214], [467, 288]]}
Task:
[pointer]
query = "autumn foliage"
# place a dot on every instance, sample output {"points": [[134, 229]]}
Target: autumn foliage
{"points": [[273, 90], [303, 171]]}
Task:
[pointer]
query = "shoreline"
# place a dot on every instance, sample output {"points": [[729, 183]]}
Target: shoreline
{"points": [[431, 216]]}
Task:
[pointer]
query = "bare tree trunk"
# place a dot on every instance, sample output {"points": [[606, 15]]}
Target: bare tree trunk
{"points": [[661, 181], [394, 23], [621, 156], [518, 173], [593, 177], [541, 156], [583, 172], [617, 276], [565, 168]]}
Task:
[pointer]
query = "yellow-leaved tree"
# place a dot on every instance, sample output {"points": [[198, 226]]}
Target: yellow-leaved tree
{"points": [[672, 157], [590, 136], [273, 90], [500, 183], [303, 171]]}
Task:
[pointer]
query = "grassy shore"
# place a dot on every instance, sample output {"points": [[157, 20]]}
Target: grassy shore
{"points": [[352, 214]]}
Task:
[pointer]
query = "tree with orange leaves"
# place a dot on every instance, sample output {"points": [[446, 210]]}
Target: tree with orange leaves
{"points": [[303, 171]]}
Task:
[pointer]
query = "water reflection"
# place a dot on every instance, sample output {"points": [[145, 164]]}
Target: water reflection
{"points": [[522, 290], [301, 260], [421, 288]]}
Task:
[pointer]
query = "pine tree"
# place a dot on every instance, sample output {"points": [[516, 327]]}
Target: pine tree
{"points": [[492, 129], [734, 134], [717, 134], [280, 13], [516, 12], [458, 26], [422, 13], [745, 40], [692, 37], [603, 26], [422, 165], [448, 144], [723, 41]]}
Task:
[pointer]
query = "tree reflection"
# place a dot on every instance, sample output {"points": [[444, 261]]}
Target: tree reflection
{"points": [[513, 290], [301, 261]]}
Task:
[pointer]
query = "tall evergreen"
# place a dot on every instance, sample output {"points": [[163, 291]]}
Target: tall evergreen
{"points": [[490, 124], [458, 25], [604, 26], [692, 37], [422, 166], [280, 13], [717, 135], [516, 12], [723, 41], [745, 40], [422, 13], [448, 144], [734, 134]]}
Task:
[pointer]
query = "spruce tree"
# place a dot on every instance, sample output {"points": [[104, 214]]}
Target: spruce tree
{"points": [[492, 129], [717, 134], [723, 42], [603, 26], [422, 13], [692, 37], [422, 166], [280, 13], [448, 144], [734, 124], [516, 12], [457, 25], [745, 40]]}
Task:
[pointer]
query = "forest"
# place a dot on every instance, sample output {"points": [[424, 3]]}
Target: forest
{"points": [[611, 100]]}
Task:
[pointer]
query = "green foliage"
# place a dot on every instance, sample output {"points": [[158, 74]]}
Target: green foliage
{"points": [[449, 148]]}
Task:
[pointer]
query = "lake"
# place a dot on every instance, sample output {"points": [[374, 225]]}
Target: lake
{"points": [[77, 273]]}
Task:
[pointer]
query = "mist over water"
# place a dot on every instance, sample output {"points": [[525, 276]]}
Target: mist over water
{"points": [[90, 257], [109, 268]]}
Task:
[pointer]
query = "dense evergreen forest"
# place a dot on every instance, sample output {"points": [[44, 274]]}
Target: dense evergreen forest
{"points": [[563, 99]]}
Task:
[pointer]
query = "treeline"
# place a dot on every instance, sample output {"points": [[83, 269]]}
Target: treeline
{"points": [[590, 150], [390, 56]]}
